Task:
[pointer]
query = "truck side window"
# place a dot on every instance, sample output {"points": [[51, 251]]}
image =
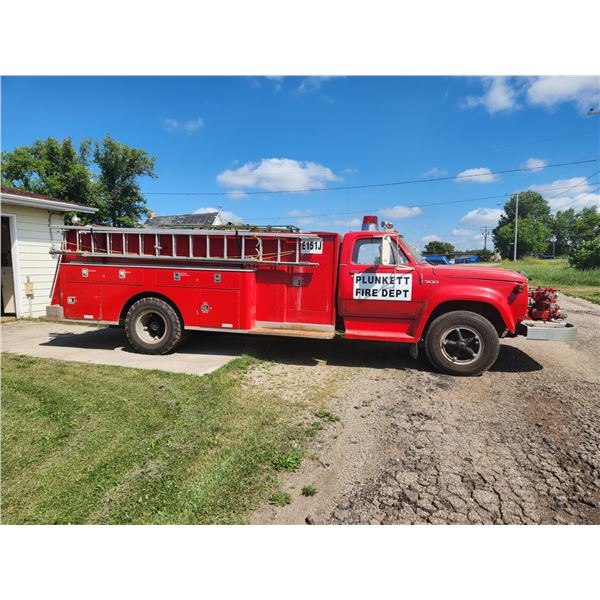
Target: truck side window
{"points": [[368, 252]]}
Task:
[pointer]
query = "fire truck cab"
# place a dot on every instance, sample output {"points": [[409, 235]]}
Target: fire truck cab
{"points": [[368, 284]]}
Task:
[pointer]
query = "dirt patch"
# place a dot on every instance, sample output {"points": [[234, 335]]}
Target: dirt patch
{"points": [[521, 444]]}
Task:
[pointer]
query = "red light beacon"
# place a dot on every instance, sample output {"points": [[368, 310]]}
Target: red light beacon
{"points": [[369, 223]]}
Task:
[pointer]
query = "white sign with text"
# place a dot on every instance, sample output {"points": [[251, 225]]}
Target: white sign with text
{"points": [[383, 286], [312, 246]]}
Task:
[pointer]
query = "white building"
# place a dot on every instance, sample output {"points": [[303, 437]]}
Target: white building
{"points": [[28, 268]]}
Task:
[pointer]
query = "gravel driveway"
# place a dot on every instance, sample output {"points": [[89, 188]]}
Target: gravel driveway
{"points": [[520, 444]]}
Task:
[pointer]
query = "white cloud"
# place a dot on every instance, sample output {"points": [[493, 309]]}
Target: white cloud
{"points": [[462, 231], [430, 238], [312, 84], [400, 212], [173, 125], [502, 94], [237, 194], [226, 215], [277, 81], [549, 91], [483, 216], [462, 244], [536, 164], [349, 171], [435, 172], [499, 95], [313, 221], [298, 212], [568, 193], [278, 174], [350, 223], [477, 175]]}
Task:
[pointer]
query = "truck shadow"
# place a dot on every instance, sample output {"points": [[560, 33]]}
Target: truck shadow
{"points": [[514, 360], [293, 351], [114, 338], [378, 355]]}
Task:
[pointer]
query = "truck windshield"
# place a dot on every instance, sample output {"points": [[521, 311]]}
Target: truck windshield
{"points": [[414, 250]]}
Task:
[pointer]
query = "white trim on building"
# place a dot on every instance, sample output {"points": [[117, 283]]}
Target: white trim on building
{"points": [[31, 239]]}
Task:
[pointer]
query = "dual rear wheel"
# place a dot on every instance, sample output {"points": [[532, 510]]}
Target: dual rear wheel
{"points": [[153, 326]]}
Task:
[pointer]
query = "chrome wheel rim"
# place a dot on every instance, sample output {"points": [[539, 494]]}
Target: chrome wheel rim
{"points": [[461, 345], [151, 327]]}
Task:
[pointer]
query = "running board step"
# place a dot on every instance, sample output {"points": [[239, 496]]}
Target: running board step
{"points": [[288, 332]]}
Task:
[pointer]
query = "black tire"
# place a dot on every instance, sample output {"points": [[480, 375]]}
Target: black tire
{"points": [[153, 326], [462, 343]]}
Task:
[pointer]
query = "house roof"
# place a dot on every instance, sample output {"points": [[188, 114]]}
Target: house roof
{"points": [[11, 195], [196, 219]]}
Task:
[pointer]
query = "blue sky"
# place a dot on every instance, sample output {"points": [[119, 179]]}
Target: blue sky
{"points": [[257, 134]]}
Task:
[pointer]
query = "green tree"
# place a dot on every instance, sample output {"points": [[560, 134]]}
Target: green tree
{"points": [[563, 228], [587, 225], [533, 227], [439, 248], [484, 255], [586, 255], [101, 174], [533, 237], [52, 168], [572, 228], [120, 200]]}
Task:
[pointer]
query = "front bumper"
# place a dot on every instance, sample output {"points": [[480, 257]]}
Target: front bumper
{"points": [[553, 331]]}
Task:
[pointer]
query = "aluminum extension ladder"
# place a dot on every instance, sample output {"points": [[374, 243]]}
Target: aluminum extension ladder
{"points": [[116, 242]]}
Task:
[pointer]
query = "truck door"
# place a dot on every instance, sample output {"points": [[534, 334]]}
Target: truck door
{"points": [[377, 280]]}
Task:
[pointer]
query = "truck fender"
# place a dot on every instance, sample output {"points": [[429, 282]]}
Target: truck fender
{"points": [[147, 294], [492, 300]]}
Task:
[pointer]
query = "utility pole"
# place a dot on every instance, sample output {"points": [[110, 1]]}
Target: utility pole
{"points": [[516, 227], [486, 230]]}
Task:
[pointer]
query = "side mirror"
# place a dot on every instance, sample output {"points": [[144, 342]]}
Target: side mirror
{"points": [[387, 254]]}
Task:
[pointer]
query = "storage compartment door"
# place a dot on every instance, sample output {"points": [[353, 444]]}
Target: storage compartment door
{"points": [[82, 301], [218, 309]]}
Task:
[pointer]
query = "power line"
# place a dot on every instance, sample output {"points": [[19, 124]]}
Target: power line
{"points": [[578, 199], [564, 140], [578, 185], [422, 205], [374, 185]]}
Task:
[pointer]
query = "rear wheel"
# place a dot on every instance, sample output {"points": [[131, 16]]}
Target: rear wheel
{"points": [[153, 326], [462, 343]]}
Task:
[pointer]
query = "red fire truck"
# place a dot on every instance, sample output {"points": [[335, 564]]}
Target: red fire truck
{"points": [[369, 284]]}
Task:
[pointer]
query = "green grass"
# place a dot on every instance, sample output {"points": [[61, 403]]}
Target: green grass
{"points": [[102, 444], [327, 416], [287, 461], [559, 274], [280, 499], [309, 490], [312, 429]]}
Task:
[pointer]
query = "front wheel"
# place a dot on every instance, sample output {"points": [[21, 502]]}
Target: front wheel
{"points": [[153, 326], [462, 343]]}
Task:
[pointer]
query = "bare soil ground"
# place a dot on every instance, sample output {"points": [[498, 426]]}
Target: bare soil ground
{"points": [[520, 444]]}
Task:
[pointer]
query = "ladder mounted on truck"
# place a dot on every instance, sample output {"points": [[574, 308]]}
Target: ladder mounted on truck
{"points": [[239, 246]]}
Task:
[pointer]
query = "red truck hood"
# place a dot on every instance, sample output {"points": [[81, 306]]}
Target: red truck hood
{"points": [[494, 273]]}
